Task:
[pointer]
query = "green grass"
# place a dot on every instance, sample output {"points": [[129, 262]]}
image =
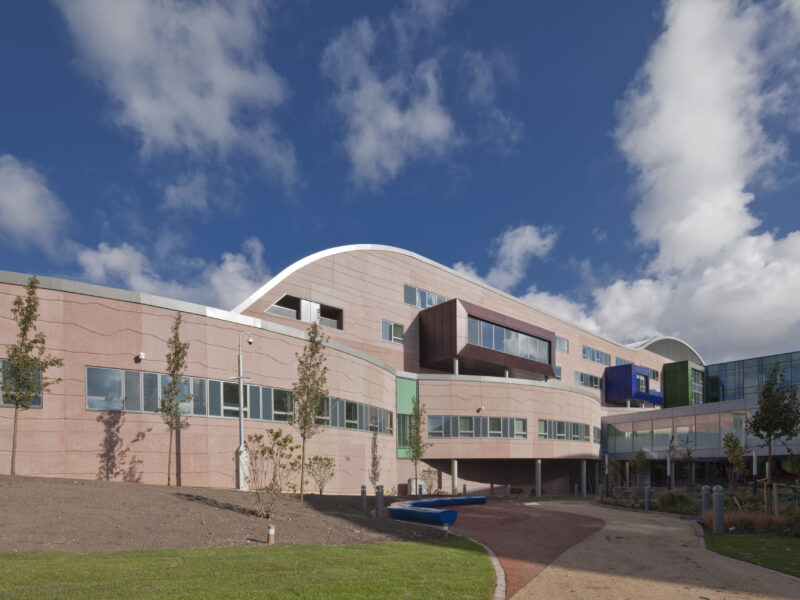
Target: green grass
{"points": [[451, 568], [779, 552]]}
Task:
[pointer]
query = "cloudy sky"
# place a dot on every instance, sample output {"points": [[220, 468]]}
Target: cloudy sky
{"points": [[632, 166]]}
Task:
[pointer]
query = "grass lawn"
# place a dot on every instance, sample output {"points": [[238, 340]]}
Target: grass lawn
{"points": [[451, 568], [779, 552]]}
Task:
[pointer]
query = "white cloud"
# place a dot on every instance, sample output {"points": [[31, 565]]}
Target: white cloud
{"points": [[560, 306], [389, 121], [30, 213], [512, 252], [223, 283], [692, 128], [600, 235], [188, 194], [495, 126], [182, 75]]}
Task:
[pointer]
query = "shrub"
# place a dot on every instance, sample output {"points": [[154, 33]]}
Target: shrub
{"points": [[322, 469], [749, 522], [676, 502], [745, 500]]}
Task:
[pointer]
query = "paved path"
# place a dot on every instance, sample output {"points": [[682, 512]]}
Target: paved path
{"points": [[621, 554], [524, 539]]}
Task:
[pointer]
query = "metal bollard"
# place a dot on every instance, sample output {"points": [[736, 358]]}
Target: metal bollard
{"points": [[706, 496], [363, 498], [577, 488], [602, 489], [719, 517], [271, 534], [465, 489], [647, 492], [509, 490], [419, 489], [378, 500]]}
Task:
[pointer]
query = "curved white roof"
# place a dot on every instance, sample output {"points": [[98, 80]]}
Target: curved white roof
{"points": [[670, 347], [357, 247]]}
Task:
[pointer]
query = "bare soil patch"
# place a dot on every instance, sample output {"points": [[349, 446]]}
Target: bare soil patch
{"points": [[76, 515]]}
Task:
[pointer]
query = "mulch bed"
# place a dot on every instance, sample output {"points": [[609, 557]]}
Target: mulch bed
{"points": [[76, 515]]}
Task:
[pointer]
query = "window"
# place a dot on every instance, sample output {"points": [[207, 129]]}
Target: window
{"points": [[576, 431], [587, 380], [698, 383], [654, 374], [622, 361], [641, 383], [564, 430], [494, 337], [392, 332], [435, 427], [596, 356], [542, 429], [373, 420], [465, 427], [558, 373], [282, 405], [420, 298], [596, 435], [495, 427], [35, 402], [103, 389], [230, 399], [324, 412], [351, 415], [561, 430], [403, 426], [520, 429], [387, 424], [133, 396], [562, 345]]}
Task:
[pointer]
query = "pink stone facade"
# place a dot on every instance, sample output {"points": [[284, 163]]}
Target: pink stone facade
{"points": [[89, 326]]}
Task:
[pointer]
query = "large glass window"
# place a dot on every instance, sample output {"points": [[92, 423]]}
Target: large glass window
{"points": [[230, 399], [587, 380], [435, 428], [103, 389], [520, 429], [494, 337], [214, 399], [133, 389], [151, 392], [35, 402], [641, 383], [495, 427], [562, 345], [596, 356], [465, 427], [403, 426], [199, 396], [351, 415], [324, 412]]}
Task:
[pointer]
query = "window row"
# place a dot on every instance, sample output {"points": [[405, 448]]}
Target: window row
{"points": [[494, 337], [137, 391], [477, 427], [597, 356], [35, 402], [391, 332], [592, 381], [563, 430], [622, 361], [420, 298]]}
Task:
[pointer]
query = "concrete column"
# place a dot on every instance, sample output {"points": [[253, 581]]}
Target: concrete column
{"points": [[583, 478], [627, 474], [596, 476], [454, 476], [538, 477], [506, 373], [455, 366]]}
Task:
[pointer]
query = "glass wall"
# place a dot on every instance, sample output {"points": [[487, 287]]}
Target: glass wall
{"points": [[494, 337], [137, 391], [744, 378]]}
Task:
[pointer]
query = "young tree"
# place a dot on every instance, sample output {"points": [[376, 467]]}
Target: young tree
{"points": [[23, 372], [272, 461], [375, 461], [416, 441], [309, 391], [778, 414], [170, 407], [638, 465], [734, 453], [429, 476], [322, 469]]}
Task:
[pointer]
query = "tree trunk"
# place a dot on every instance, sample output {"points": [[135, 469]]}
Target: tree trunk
{"points": [[14, 442], [303, 469], [416, 482], [169, 460]]}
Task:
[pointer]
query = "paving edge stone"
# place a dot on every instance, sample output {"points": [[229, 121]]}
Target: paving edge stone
{"points": [[499, 574]]}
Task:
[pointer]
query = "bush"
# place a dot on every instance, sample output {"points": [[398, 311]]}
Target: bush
{"points": [[745, 500], [676, 502], [749, 522]]}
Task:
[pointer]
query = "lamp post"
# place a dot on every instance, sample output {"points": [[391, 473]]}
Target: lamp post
{"points": [[243, 460]]}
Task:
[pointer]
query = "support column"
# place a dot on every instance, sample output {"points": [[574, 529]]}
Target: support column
{"points": [[538, 477], [583, 478], [596, 476], [506, 373], [453, 476], [455, 366], [627, 474]]}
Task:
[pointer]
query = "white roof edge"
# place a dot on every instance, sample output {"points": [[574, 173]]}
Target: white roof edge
{"points": [[642, 345], [296, 266]]}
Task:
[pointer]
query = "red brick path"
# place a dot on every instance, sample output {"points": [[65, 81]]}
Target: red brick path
{"points": [[525, 538]]}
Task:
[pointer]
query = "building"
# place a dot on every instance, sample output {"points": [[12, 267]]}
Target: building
{"points": [[512, 395]]}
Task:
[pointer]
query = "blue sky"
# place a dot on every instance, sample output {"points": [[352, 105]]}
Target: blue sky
{"points": [[631, 166]]}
